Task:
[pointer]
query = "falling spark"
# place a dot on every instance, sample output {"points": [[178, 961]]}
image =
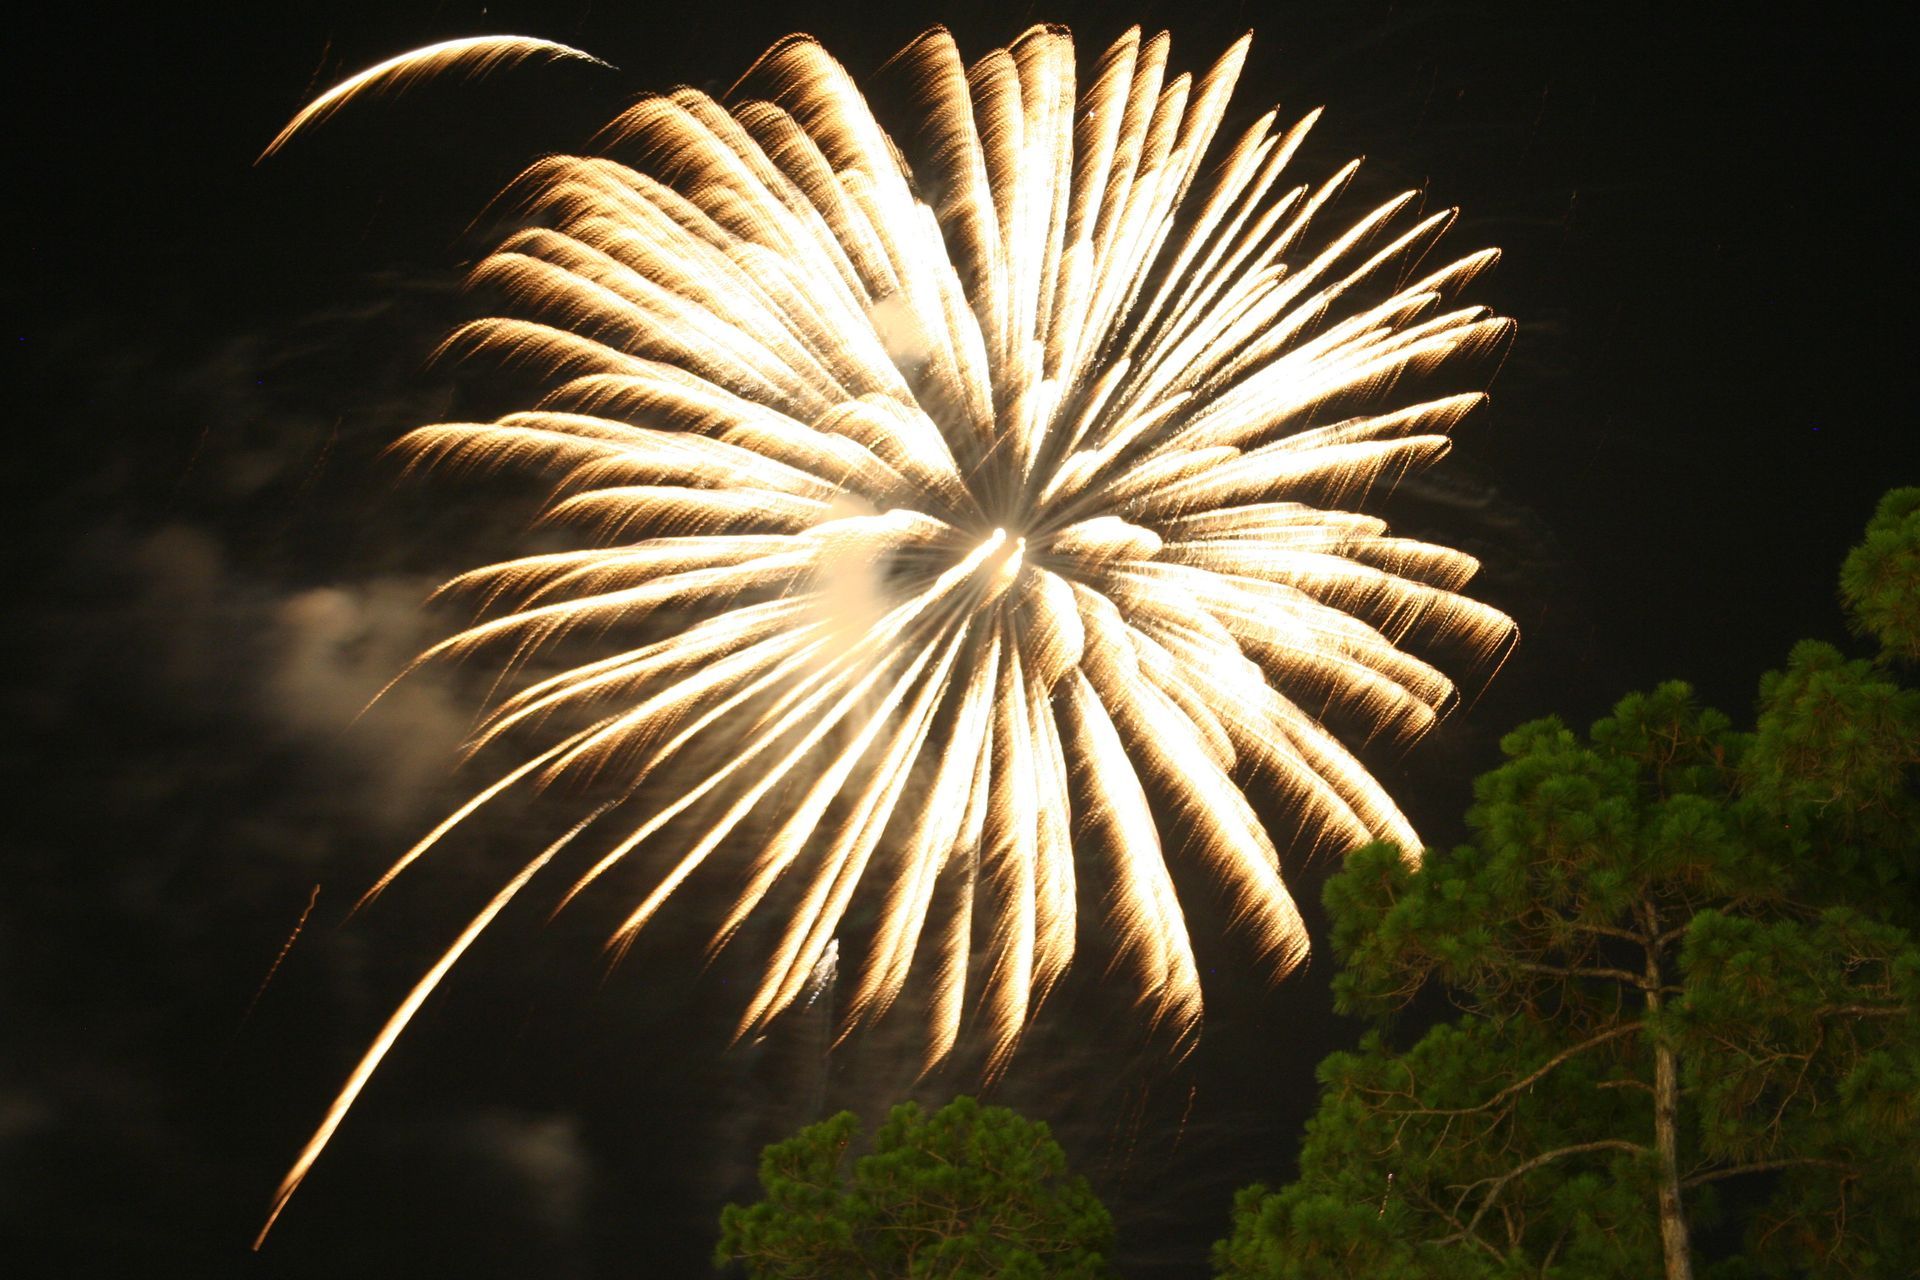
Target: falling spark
{"points": [[984, 483], [1193, 1094], [280, 958], [370, 1061], [825, 974]]}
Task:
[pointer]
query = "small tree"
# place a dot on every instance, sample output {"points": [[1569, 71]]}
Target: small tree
{"points": [[966, 1193], [1683, 957]]}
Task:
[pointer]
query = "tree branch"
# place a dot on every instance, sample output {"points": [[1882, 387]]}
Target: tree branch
{"points": [[1528, 1166], [1581, 971], [1623, 1084], [1532, 1078], [1762, 1166]]}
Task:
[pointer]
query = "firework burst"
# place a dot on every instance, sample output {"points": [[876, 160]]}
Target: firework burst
{"points": [[985, 487]]}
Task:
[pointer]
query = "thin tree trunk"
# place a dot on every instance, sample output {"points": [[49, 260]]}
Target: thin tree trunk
{"points": [[1674, 1247], [1666, 1133]]}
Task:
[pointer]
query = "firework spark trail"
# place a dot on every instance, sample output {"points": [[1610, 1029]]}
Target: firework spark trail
{"points": [[281, 955], [475, 54], [995, 482]]}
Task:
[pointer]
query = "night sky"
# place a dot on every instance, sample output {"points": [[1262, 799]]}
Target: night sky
{"points": [[215, 568]]}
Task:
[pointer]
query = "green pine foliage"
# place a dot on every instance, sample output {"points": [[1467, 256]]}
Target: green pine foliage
{"points": [[966, 1193], [1663, 909], [1877, 580], [1833, 762]]}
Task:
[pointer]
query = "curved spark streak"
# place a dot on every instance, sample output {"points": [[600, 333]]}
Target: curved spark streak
{"points": [[480, 53], [370, 1061], [977, 491]]}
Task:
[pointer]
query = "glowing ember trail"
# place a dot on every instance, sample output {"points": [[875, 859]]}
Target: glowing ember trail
{"points": [[964, 492]]}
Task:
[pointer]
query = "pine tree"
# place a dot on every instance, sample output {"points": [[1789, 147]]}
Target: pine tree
{"points": [[1688, 981], [966, 1193]]}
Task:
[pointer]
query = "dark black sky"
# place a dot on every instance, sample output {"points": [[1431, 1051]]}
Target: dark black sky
{"points": [[1709, 388]]}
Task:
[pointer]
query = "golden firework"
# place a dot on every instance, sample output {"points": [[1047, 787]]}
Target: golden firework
{"points": [[990, 477]]}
